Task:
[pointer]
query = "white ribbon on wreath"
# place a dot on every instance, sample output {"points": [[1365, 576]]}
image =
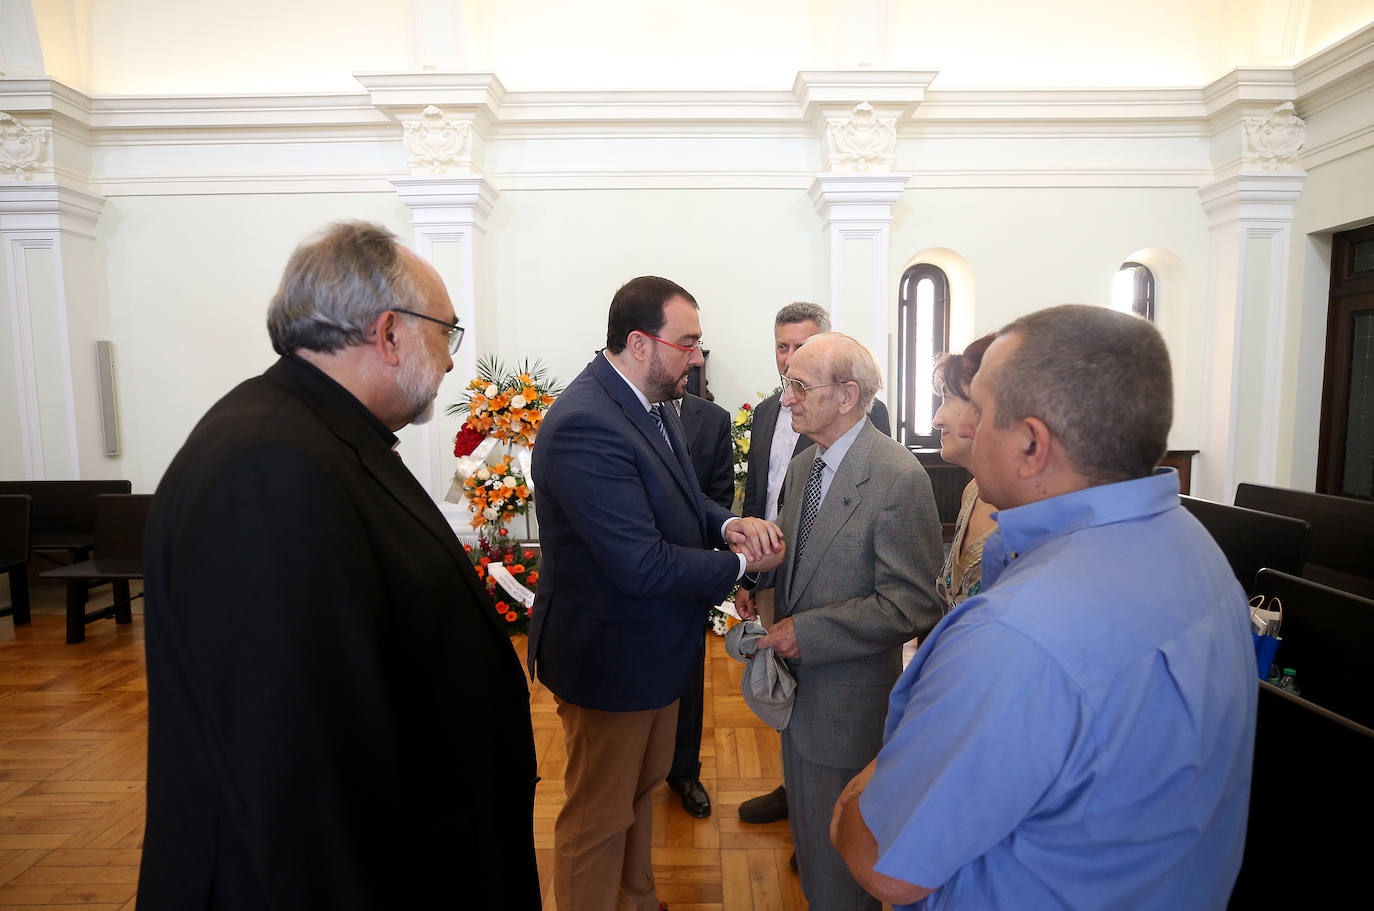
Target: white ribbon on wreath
{"points": [[502, 577]]}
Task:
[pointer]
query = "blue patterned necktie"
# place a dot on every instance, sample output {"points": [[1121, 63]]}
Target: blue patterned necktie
{"points": [[656, 413], [811, 505]]}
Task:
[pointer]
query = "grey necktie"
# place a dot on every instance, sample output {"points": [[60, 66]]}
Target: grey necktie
{"points": [[811, 505], [656, 413]]}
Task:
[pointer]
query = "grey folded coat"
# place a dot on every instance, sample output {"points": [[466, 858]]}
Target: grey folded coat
{"points": [[768, 686]]}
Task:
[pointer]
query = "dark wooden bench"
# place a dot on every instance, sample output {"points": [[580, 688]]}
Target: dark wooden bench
{"points": [[1309, 797], [14, 554], [1252, 540], [119, 524], [1327, 635], [63, 513], [1340, 549]]}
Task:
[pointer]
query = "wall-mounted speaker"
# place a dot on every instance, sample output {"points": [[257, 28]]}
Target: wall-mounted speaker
{"points": [[109, 402]]}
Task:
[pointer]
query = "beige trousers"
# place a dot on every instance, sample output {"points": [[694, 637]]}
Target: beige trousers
{"points": [[602, 837]]}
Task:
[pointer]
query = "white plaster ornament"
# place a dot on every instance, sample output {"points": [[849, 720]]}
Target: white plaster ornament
{"points": [[863, 141], [436, 142], [1272, 142], [20, 146]]}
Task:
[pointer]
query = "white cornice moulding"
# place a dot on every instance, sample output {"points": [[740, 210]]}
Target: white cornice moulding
{"points": [[43, 95], [411, 89], [45, 206], [1108, 106], [1051, 178], [1252, 197], [447, 199], [833, 93], [243, 184], [667, 179], [1247, 91], [1348, 57], [865, 199]]}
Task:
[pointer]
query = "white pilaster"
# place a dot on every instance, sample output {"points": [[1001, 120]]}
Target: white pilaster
{"points": [[447, 215], [1256, 138], [55, 315], [856, 114], [856, 211]]}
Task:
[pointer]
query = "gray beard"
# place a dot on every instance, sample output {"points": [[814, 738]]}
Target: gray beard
{"points": [[419, 384]]}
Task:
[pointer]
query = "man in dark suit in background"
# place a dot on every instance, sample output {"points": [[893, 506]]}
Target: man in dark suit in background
{"points": [[772, 444], [628, 567], [321, 655], [706, 427]]}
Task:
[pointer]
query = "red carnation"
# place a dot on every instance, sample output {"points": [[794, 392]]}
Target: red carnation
{"points": [[746, 407], [466, 441]]}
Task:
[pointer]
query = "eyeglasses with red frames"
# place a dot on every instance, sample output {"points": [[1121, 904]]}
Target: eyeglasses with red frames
{"points": [[688, 348]]}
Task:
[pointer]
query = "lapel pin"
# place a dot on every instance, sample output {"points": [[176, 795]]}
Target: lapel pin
{"points": [[846, 501]]}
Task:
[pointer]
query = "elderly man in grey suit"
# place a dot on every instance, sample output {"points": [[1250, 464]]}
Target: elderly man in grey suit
{"points": [[857, 583]]}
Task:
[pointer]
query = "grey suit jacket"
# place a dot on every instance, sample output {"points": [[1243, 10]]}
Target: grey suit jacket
{"points": [[865, 585]]}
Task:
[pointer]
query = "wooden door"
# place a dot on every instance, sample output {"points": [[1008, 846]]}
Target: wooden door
{"points": [[1345, 455]]}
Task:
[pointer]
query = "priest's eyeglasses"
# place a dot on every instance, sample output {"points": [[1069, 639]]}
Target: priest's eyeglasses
{"points": [[696, 346], [455, 331], [800, 389]]}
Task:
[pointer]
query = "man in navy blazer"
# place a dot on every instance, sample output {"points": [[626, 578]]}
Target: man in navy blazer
{"points": [[627, 538]]}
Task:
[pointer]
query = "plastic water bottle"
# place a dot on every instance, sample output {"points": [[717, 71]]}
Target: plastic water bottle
{"points": [[1289, 681]]}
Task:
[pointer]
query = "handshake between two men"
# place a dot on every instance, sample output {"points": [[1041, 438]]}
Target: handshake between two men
{"points": [[762, 545], [759, 540]]}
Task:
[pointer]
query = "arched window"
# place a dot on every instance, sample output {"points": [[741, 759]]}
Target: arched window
{"points": [[922, 335], [1133, 290]]}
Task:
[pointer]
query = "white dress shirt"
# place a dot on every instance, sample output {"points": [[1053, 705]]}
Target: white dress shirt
{"points": [[784, 441], [644, 400]]}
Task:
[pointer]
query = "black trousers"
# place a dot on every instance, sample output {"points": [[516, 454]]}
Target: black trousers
{"points": [[687, 750]]}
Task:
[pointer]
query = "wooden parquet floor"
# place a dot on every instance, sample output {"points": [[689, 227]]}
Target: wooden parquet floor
{"points": [[73, 732]]}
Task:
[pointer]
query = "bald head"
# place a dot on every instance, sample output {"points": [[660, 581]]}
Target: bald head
{"points": [[844, 378]]}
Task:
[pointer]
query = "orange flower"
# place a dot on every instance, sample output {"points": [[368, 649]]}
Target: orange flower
{"points": [[481, 571], [529, 555], [511, 617], [533, 579], [501, 532], [484, 561], [467, 548], [517, 567], [502, 606]]}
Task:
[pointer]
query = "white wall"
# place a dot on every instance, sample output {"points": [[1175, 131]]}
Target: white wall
{"points": [[558, 257], [1035, 248], [188, 280]]}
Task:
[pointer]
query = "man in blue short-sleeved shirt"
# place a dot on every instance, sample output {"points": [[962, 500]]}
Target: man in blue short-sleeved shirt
{"points": [[1080, 735]]}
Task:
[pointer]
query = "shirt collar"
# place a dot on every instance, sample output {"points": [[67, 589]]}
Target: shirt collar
{"points": [[328, 382], [643, 399], [835, 454], [1022, 528]]}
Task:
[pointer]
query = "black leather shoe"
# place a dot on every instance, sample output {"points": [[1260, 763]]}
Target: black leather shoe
{"points": [[769, 808], [694, 799]]}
